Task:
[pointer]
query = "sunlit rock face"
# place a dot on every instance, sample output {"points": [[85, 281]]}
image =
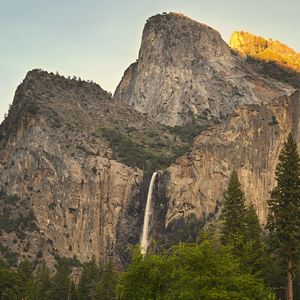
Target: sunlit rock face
{"points": [[265, 49], [185, 69], [250, 143]]}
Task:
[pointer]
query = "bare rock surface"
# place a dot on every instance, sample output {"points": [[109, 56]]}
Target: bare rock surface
{"points": [[185, 69], [250, 143], [53, 158]]}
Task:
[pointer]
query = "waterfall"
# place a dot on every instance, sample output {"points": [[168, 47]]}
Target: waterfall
{"points": [[148, 213]]}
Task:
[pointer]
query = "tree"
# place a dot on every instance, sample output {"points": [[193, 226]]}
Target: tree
{"points": [[60, 283], [88, 280], [254, 250], [241, 229], [234, 210], [9, 284], [42, 283], [189, 271], [106, 286], [284, 208], [25, 273]]}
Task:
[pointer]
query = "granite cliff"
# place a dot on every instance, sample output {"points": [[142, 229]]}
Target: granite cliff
{"points": [[56, 162], [249, 142], [185, 71], [265, 49]]}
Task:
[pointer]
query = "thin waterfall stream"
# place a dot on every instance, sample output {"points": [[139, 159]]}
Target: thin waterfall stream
{"points": [[144, 244]]}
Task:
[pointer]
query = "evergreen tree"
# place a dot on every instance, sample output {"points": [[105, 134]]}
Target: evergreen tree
{"points": [[253, 229], [42, 283], [284, 208], [234, 210], [253, 249], [60, 283], [241, 229], [72, 292], [88, 280], [106, 286], [25, 273]]}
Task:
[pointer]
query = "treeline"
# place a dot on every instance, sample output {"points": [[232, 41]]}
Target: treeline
{"points": [[234, 258], [95, 282]]}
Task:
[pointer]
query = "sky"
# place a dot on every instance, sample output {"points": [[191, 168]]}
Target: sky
{"points": [[98, 40]]}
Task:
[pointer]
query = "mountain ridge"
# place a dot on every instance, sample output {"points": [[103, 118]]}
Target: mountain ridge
{"points": [[185, 71], [75, 163], [265, 49]]}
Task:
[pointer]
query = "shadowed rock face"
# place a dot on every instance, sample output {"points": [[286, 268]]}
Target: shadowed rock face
{"points": [[53, 159], [185, 69], [250, 143]]}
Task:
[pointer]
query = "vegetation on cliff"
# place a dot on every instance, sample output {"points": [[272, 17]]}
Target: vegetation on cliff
{"points": [[153, 148]]}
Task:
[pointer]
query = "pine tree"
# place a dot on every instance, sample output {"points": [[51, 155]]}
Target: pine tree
{"points": [[60, 282], [284, 208], [88, 280], [253, 249], [42, 283], [105, 289], [234, 210]]}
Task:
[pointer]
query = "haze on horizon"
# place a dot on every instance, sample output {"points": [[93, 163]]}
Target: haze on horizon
{"points": [[98, 40]]}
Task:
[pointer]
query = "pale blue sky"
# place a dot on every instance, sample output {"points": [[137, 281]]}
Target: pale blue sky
{"points": [[97, 39]]}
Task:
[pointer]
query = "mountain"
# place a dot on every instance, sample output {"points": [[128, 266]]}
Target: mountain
{"points": [[75, 163], [54, 158], [266, 50], [250, 143], [186, 72]]}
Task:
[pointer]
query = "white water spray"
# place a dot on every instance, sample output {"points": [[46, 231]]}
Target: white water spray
{"points": [[147, 216]]}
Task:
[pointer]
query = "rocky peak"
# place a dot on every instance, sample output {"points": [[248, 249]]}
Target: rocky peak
{"points": [[265, 49], [174, 31], [186, 71]]}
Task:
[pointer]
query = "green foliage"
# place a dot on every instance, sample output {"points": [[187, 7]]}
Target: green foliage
{"points": [[42, 283], [60, 283], [284, 204], [254, 249], [151, 149], [132, 153], [188, 132], [16, 284], [105, 288], [9, 284], [234, 210], [241, 229], [88, 280], [189, 271], [284, 207]]}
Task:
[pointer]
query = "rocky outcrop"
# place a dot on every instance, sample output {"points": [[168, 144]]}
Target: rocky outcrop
{"points": [[185, 69], [53, 158], [267, 50], [250, 143]]}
